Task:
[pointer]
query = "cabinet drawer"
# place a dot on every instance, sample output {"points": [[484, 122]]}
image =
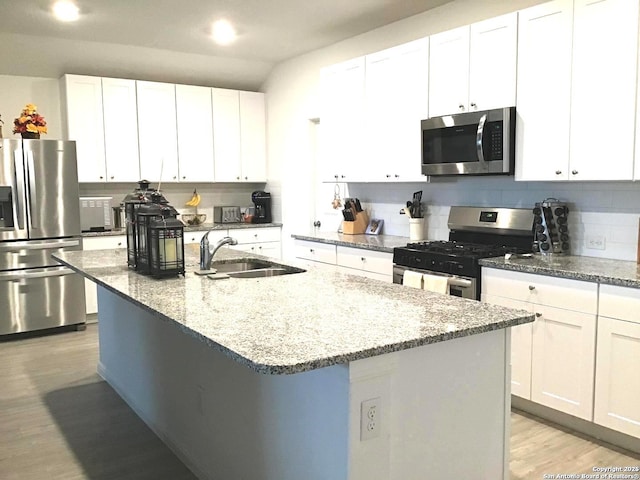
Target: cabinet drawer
{"points": [[367, 260], [315, 251], [255, 235], [196, 235], [620, 302], [268, 249], [104, 243], [541, 289]]}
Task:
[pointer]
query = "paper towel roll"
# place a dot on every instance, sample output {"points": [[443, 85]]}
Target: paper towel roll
{"points": [[412, 279], [436, 283]]}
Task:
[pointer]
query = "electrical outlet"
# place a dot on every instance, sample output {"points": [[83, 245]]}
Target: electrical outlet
{"points": [[596, 242], [370, 419]]}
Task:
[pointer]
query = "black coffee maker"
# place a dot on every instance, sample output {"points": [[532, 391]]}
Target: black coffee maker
{"points": [[262, 201]]}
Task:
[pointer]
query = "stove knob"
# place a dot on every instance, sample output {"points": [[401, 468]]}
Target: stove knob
{"points": [[541, 237], [537, 220], [537, 211], [559, 211], [561, 220], [539, 228], [564, 237], [563, 229], [544, 246], [535, 247], [565, 246]]}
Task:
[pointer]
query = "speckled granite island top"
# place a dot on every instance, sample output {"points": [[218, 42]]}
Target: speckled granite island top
{"points": [[294, 323], [590, 269], [381, 243]]}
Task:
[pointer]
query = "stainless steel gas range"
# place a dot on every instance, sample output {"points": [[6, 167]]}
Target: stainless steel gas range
{"points": [[474, 233]]}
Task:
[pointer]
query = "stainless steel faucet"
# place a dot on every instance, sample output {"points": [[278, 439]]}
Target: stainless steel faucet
{"points": [[207, 253]]}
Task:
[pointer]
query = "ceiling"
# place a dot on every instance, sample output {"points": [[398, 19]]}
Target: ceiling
{"points": [[269, 31]]}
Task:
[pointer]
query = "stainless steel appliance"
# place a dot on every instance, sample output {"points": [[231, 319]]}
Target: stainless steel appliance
{"points": [[551, 231], [474, 233], [40, 216], [95, 214], [226, 215], [473, 143]]}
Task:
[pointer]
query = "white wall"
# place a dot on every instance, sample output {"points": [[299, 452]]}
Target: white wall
{"points": [[609, 209], [16, 92]]}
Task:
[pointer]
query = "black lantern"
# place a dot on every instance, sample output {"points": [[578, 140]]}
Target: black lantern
{"points": [[159, 239], [140, 196]]}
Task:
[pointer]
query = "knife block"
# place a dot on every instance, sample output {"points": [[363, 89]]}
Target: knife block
{"points": [[357, 227]]}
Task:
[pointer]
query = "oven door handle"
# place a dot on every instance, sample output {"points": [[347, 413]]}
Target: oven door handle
{"points": [[459, 282], [479, 138]]}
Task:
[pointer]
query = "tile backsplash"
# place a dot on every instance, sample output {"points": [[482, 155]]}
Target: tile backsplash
{"points": [[220, 194], [603, 216]]}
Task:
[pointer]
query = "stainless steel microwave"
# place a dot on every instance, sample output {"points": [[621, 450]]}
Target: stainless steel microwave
{"points": [[473, 143]]}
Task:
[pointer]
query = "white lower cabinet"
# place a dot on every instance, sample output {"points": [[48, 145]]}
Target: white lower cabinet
{"points": [[195, 236], [562, 337], [618, 355], [315, 252], [521, 345], [99, 243], [261, 241], [366, 263], [562, 368]]}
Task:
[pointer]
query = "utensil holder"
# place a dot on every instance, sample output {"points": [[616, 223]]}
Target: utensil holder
{"points": [[416, 229], [357, 227]]}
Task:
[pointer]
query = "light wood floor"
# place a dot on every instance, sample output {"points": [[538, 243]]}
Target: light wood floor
{"points": [[60, 421]]}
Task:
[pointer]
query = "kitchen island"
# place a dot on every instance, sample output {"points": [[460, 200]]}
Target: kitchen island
{"points": [[314, 375]]}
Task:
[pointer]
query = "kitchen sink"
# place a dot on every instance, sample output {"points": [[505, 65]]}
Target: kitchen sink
{"points": [[240, 266], [251, 268]]}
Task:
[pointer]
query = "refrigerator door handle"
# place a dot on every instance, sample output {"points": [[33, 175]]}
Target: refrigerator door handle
{"points": [[31, 274], [31, 198], [14, 246], [19, 188]]}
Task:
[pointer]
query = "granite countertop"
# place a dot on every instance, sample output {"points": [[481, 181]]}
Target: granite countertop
{"points": [[381, 243], [590, 269], [190, 228], [294, 323]]}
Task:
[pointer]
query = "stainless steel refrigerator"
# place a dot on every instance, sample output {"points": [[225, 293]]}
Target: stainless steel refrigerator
{"points": [[39, 215]]}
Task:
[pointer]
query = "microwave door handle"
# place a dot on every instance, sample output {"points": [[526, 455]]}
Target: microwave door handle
{"points": [[479, 138], [19, 188], [31, 198]]}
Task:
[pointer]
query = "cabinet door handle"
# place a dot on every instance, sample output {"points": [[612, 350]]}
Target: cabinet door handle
{"points": [[574, 172], [473, 105], [237, 178], [397, 176], [558, 172], [184, 178], [538, 315], [101, 177], [112, 177], [311, 250], [246, 178], [363, 259], [388, 176], [532, 287], [119, 244]]}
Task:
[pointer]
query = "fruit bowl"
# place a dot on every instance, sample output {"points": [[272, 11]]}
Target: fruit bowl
{"points": [[193, 218]]}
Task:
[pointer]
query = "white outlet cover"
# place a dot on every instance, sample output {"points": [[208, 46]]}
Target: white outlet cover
{"points": [[370, 418]]}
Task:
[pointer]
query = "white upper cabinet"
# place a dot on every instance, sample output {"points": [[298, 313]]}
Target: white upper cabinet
{"points": [[473, 67], [492, 63], [226, 134], [576, 100], [342, 120], [253, 142], [120, 130], [449, 72], [397, 99], [157, 131], [195, 133], [603, 107], [84, 125], [544, 91]]}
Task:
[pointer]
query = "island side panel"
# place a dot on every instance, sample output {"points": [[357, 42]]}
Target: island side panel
{"points": [[221, 418], [445, 411]]}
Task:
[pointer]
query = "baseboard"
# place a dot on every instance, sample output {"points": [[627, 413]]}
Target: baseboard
{"points": [[592, 431], [178, 452]]}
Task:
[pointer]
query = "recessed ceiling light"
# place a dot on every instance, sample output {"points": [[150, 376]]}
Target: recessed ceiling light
{"points": [[66, 11], [223, 32]]}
